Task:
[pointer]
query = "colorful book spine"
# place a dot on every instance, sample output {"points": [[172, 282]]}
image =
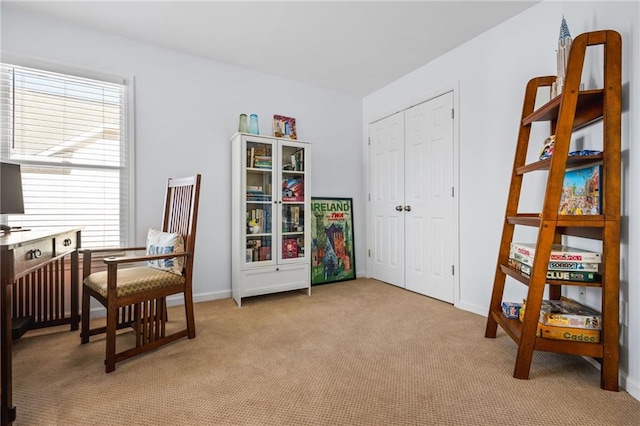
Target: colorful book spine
{"points": [[559, 253]]}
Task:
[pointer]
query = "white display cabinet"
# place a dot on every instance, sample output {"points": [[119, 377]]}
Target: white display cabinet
{"points": [[270, 216]]}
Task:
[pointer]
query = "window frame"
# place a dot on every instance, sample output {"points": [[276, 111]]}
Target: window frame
{"points": [[129, 117]]}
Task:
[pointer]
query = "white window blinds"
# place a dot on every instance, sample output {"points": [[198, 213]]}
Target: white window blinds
{"points": [[69, 135]]}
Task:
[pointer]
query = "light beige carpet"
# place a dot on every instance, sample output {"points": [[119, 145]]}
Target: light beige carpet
{"points": [[353, 353]]}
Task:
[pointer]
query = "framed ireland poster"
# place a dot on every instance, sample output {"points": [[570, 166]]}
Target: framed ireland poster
{"points": [[332, 251]]}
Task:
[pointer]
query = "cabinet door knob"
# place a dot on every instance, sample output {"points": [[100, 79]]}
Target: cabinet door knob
{"points": [[66, 242], [35, 254], [407, 208], [399, 208]]}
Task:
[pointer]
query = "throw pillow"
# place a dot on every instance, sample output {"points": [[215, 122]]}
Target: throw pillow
{"points": [[159, 242]]}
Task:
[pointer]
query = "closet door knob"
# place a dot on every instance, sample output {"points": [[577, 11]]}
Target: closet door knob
{"points": [[407, 208], [399, 208]]}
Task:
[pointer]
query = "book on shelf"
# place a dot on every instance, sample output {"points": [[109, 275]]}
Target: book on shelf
{"points": [[266, 221], [265, 253], [297, 160], [289, 248], [291, 221], [250, 156], [581, 191], [255, 197], [583, 276], [293, 189], [558, 253], [258, 158]]}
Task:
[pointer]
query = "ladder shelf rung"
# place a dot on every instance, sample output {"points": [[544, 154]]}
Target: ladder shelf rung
{"points": [[572, 161], [588, 109], [564, 221]]}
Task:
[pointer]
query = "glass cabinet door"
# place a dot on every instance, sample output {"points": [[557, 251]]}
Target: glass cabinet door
{"points": [[259, 232], [292, 223]]}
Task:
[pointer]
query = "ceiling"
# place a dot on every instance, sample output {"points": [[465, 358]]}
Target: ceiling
{"points": [[353, 47]]}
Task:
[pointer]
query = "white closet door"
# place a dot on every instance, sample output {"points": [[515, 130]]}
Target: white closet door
{"points": [[429, 203], [387, 199]]}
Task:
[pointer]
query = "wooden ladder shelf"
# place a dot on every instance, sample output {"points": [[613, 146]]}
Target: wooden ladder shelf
{"points": [[571, 110]]}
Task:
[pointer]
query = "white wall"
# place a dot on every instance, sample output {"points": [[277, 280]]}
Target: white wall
{"points": [[492, 71], [186, 110]]}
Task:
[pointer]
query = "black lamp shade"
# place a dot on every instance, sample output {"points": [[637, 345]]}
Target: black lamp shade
{"points": [[11, 201]]}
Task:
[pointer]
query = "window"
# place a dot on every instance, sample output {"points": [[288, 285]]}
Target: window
{"points": [[69, 133]]}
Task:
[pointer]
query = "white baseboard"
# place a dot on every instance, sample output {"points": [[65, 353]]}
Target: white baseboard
{"points": [[476, 309]]}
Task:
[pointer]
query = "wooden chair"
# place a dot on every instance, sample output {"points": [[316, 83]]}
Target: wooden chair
{"points": [[135, 296]]}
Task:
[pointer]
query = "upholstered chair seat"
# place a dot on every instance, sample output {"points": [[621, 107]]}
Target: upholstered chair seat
{"points": [[134, 280]]}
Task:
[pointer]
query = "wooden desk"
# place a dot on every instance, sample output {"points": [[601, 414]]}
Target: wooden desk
{"points": [[34, 276]]}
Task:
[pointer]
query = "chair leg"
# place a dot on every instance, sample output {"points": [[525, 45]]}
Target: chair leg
{"points": [[84, 331], [112, 326], [188, 310]]}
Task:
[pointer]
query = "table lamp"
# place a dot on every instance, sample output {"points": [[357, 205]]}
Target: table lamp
{"points": [[11, 201]]}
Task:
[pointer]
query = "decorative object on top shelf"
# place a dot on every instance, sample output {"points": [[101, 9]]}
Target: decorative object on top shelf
{"points": [[284, 127], [547, 148], [253, 124], [581, 191], [332, 249], [564, 46], [243, 127]]}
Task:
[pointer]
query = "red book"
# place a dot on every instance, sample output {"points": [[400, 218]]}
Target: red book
{"points": [[289, 248]]}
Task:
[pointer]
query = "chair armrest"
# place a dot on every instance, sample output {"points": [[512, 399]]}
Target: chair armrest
{"points": [[88, 255], [113, 260]]}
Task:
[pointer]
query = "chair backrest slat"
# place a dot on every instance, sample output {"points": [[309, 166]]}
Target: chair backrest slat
{"points": [[181, 207]]}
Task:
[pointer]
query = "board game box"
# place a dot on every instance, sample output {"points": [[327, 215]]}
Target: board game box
{"points": [[558, 253], [569, 313], [581, 191], [584, 276], [568, 333], [557, 265], [511, 309], [566, 313]]}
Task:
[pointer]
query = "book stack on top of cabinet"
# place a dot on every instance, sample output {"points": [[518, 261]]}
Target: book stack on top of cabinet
{"points": [[565, 263]]}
